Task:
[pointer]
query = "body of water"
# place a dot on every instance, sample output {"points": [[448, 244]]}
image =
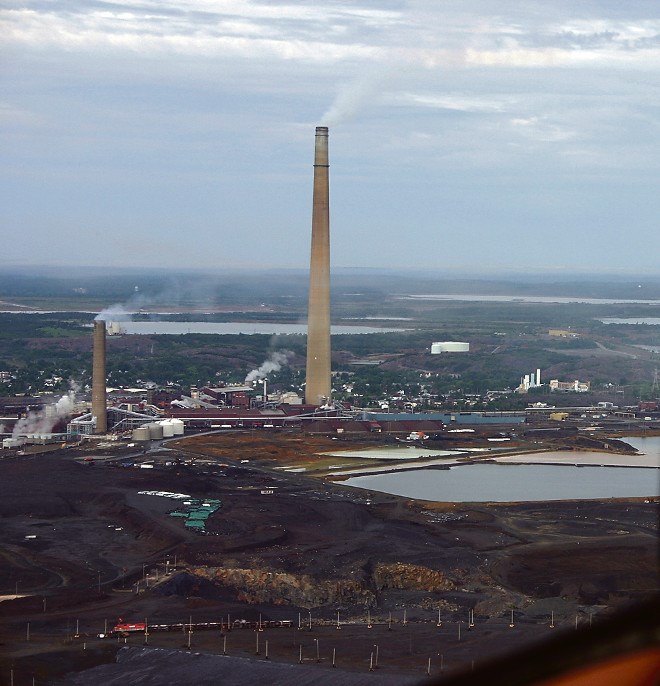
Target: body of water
{"points": [[533, 299], [514, 483], [648, 457], [649, 445], [403, 453], [235, 328], [651, 321]]}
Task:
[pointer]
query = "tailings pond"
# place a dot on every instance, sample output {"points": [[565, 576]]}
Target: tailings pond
{"points": [[514, 483], [528, 482]]}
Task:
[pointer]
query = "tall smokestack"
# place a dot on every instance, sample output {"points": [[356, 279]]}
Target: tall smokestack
{"points": [[99, 407], [318, 383]]}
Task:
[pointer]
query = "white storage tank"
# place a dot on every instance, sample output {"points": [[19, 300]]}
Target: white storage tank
{"points": [[449, 347], [168, 429], [178, 426], [155, 431], [141, 433]]}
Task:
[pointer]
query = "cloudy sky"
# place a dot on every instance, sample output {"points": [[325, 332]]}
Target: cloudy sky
{"points": [[473, 134]]}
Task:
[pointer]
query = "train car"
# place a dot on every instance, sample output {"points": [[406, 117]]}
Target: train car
{"points": [[128, 628]]}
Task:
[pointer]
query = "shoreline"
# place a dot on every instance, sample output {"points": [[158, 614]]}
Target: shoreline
{"points": [[571, 459]]}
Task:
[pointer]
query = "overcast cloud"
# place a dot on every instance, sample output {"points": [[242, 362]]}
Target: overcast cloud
{"points": [[471, 134]]}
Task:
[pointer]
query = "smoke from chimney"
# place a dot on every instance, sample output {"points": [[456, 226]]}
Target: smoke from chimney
{"points": [[274, 363], [43, 421], [352, 98]]}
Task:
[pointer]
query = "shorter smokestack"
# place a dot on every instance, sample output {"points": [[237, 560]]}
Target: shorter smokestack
{"points": [[99, 403]]}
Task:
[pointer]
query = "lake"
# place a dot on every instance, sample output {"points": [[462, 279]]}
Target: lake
{"points": [[650, 321], [236, 328], [533, 299]]}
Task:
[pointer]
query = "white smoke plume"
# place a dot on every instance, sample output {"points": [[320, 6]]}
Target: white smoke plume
{"points": [[179, 293], [368, 89], [123, 312], [114, 313], [350, 100], [42, 421], [274, 363]]}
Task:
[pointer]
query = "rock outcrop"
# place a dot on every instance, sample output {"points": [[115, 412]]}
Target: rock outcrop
{"points": [[254, 586], [410, 577], [282, 588]]}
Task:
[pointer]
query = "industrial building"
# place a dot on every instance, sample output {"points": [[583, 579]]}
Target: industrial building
{"points": [[410, 419], [574, 386], [118, 420], [528, 381], [449, 347], [563, 333], [115, 329]]}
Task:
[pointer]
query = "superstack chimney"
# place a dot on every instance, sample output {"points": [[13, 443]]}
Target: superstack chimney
{"points": [[318, 382], [99, 406]]}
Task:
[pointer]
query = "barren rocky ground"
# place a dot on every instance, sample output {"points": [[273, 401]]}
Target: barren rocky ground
{"points": [[77, 538]]}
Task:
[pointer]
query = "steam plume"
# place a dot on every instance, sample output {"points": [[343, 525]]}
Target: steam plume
{"points": [[365, 90], [274, 363], [177, 293], [43, 421], [114, 313], [350, 100]]}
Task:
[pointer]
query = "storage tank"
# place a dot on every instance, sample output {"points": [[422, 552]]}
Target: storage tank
{"points": [[155, 431], [178, 426], [168, 429], [449, 347], [141, 433]]}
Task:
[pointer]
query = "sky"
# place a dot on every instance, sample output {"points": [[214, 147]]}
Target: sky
{"points": [[475, 135]]}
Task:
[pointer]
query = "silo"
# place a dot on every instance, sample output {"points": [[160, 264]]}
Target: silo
{"points": [[155, 431], [178, 426], [141, 433], [168, 428]]}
